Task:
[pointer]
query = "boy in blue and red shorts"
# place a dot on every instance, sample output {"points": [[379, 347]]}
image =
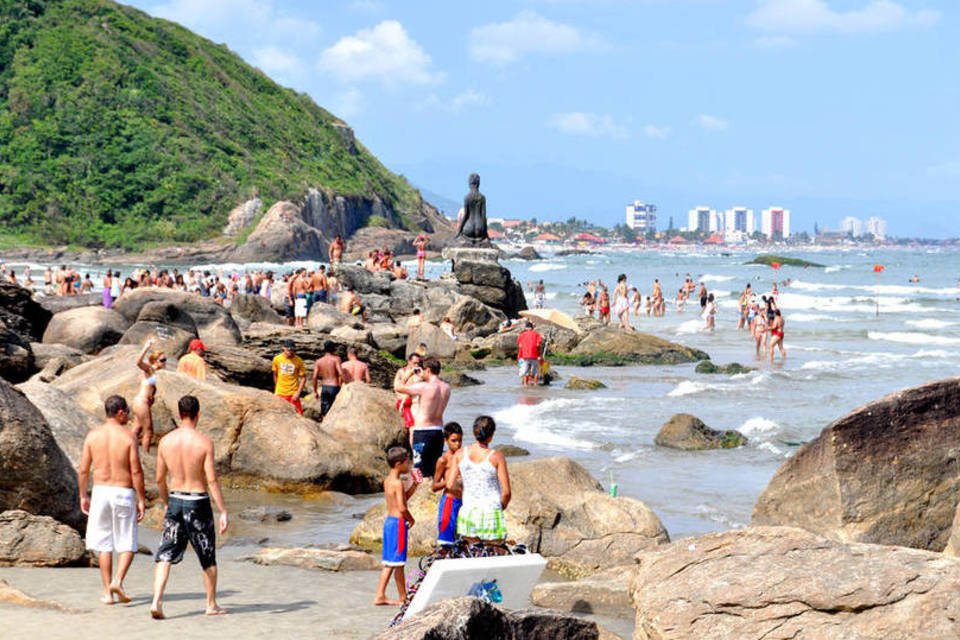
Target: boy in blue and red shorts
{"points": [[395, 527], [450, 500]]}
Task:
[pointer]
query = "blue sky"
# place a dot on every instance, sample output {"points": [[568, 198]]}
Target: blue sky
{"points": [[576, 107]]}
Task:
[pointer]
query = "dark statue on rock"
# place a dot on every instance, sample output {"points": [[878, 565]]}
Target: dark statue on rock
{"points": [[472, 227]]}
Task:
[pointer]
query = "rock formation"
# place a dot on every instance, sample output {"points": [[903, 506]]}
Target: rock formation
{"points": [[780, 582], [35, 475], [38, 541], [86, 329], [689, 433], [885, 473]]}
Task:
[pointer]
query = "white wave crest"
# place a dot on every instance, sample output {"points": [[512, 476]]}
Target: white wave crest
{"points": [[758, 425], [529, 423], [929, 323], [715, 278], [909, 337], [548, 266]]}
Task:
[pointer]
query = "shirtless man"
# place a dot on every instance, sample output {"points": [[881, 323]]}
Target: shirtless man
{"points": [[188, 457], [355, 370], [335, 252], [117, 498], [427, 436], [328, 371], [319, 284], [299, 287]]}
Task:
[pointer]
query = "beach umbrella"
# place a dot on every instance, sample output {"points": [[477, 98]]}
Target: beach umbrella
{"points": [[877, 270], [552, 316]]}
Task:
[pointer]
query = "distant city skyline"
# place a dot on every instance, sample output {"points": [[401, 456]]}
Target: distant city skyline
{"points": [[832, 108]]}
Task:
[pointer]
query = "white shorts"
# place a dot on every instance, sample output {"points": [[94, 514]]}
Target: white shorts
{"points": [[300, 308], [112, 525]]}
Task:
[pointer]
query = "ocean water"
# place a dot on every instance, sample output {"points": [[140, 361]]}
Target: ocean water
{"points": [[841, 355]]}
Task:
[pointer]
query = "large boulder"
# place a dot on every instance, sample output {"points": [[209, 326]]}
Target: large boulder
{"points": [[389, 337], [45, 354], [689, 433], [59, 304], [16, 356], [365, 421], [610, 345], [113, 372], [557, 510], [22, 321], [35, 474], [282, 235], [310, 558], [470, 618], [240, 366], [266, 341], [38, 541], [173, 341], [167, 313], [247, 308], [363, 281], [473, 318], [438, 344], [87, 329], [780, 582], [213, 322], [884, 473], [68, 422], [325, 318]]}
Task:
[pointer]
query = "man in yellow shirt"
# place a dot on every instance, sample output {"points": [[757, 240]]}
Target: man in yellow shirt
{"points": [[193, 364], [289, 375]]}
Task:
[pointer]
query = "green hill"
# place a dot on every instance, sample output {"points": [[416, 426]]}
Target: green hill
{"points": [[118, 129]]}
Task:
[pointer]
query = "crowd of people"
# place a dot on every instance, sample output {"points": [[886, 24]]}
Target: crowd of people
{"points": [[759, 315]]}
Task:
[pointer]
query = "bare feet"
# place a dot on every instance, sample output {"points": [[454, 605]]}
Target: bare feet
{"points": [[117, 590], [383, 602], [106, 599], [216, 610], [157, 613]]}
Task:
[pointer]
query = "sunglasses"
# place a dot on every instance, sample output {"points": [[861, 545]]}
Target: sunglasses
{"points": [[162, 360]]}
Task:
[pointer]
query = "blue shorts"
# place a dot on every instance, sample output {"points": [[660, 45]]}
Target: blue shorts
{"points": [[394, 542], [447, 519]]}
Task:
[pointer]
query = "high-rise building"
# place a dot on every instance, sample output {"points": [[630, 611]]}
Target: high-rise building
{"points": [[642, 217], [704, 219], [852, 226], [775, 223], [740, 219], [877, 227]]}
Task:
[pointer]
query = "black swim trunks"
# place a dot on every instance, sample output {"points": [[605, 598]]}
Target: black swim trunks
{"points": [[427, 449], [188, 518], [328, 393]]}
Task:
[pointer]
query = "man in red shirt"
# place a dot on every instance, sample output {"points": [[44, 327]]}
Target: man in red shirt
{"points": [[529, 342]]}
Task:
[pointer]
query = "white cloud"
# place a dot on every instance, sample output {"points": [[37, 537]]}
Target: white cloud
{"points": [[580, 123], [372, 7], [528, 32], [385, 53], [463, 100], [656, 132], [813, 16], [218, 19], [711, 123], [468, 98], [273, 60]]}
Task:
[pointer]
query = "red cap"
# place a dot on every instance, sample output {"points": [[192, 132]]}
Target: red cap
{"points": [[195, 344]]}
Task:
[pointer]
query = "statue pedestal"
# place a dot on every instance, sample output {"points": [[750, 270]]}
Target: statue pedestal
{"points": [[470, 254]]}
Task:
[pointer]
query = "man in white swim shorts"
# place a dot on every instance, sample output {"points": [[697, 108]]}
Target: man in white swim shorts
{"points": [[118, 501]]}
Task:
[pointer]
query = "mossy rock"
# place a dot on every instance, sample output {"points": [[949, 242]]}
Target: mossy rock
{"points": [[768, 260], [706, 366], [511, 451], [584, 384], [688, 433]]}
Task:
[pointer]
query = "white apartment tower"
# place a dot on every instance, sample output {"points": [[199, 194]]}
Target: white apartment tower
{"points": [[877, 227], [704, 219], [642, 217], [775, 221], [740, 219], [852, 226]]}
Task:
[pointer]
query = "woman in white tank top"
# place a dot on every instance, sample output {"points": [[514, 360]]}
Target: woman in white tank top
{"points": [[486, 486]]}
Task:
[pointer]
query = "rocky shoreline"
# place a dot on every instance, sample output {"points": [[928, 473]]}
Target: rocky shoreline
{"points": [[874, 498]]}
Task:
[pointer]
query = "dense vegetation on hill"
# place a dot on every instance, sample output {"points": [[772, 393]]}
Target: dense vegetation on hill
{"points": [[118, 129]]}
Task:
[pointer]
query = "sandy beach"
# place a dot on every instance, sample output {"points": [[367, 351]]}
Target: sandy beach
{"points": [[263, 601]]}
